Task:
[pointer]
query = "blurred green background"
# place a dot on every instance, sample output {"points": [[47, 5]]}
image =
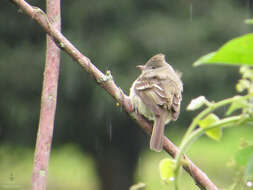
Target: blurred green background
{"points": [[96, 145]]}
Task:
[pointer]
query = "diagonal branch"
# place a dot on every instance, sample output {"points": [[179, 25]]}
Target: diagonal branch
{"points": [[106, 82]]}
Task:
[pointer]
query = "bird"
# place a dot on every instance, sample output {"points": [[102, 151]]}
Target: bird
{"points": [[156, 94]]}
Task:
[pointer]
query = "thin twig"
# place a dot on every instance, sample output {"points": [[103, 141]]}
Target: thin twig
{"points": [[109, 85]]}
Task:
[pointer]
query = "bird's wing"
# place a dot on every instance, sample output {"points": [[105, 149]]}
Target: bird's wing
{"points": [[153, 89], [174, 91], [160, 94]]}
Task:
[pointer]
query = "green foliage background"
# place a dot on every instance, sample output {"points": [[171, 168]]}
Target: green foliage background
{"points": [[116, 35]]}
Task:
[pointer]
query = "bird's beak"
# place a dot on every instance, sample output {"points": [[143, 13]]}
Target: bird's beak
{"points": [[140, 67]]}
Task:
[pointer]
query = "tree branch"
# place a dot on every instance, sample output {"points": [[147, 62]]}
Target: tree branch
{"points": [[48, 102], [106, 82]]}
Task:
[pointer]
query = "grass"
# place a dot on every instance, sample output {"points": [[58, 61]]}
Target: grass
{"points": [[71, 169]]}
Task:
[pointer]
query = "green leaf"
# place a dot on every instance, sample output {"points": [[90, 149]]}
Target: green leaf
{"points": [[204, 59], [249, 170], [249, 21], [242, 85], [237, 104], [138, 186], [214, 133], [247, 72], [244, 155], [237, 51], [167, 170], [197, 103]]}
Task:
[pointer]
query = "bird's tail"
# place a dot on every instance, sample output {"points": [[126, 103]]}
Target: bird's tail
{"points": [[156, 141]]}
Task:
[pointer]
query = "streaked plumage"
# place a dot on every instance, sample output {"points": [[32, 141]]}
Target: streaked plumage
{"points": [[156, 94]]}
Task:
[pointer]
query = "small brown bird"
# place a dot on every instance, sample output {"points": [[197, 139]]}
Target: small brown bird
{"points": [[156, 94]]}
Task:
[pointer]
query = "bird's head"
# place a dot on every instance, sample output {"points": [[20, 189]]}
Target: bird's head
{"points": [[154, 62]]}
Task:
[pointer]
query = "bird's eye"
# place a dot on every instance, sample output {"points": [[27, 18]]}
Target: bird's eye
{"points": [[153, 67]]}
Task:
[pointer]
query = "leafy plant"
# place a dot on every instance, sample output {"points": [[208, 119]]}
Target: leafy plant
{"points": [[237, 51]]}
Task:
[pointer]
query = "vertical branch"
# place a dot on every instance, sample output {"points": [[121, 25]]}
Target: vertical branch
{"points": [[48, 102]]}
